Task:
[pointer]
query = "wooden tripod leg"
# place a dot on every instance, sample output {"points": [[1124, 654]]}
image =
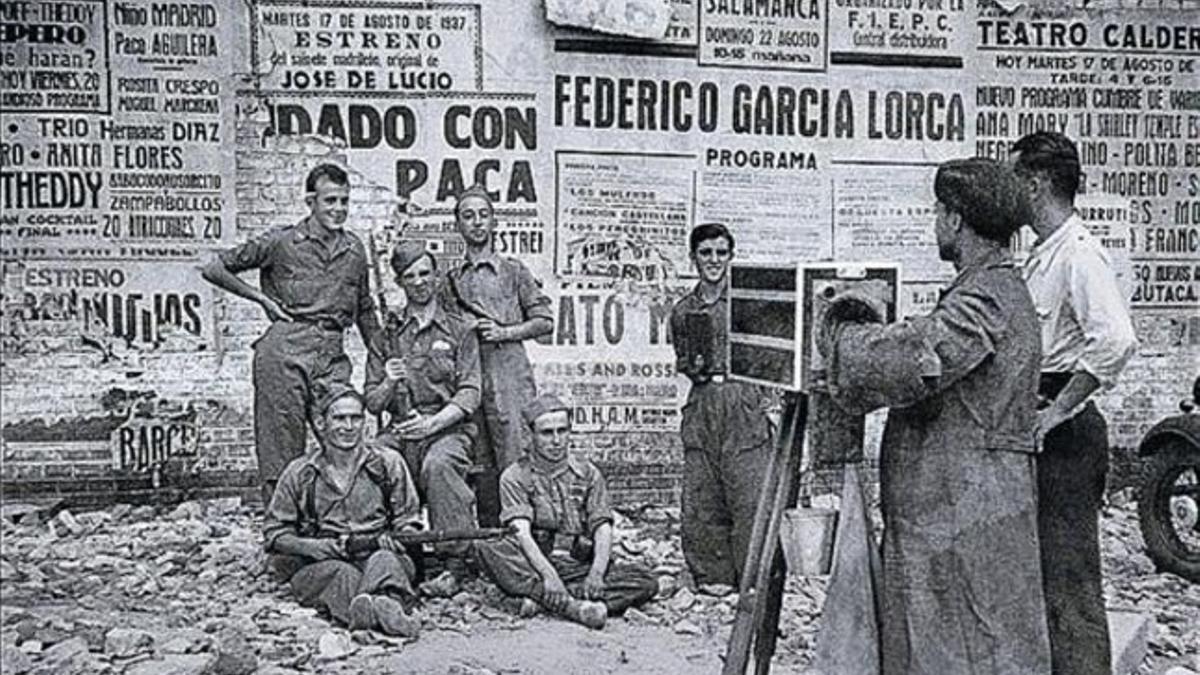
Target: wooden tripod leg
{"points": [[767, 626], [767, 629], [763, 544]]}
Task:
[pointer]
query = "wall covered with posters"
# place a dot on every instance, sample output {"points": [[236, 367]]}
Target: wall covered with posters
{"points": [[138, 136]]}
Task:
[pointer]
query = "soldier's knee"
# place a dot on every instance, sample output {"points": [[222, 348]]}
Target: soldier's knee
{"points": [[392, 561], [441, 464], [329, 572]]}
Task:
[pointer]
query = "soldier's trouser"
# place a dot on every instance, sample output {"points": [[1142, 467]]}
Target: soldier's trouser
{"points": [[440, 464], [291, 361], [507, 386], [330, 585], [1071, 472], [726, 440], [625, 585]]}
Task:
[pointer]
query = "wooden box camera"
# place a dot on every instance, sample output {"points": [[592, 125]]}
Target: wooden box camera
{"points": [[774, 310]]}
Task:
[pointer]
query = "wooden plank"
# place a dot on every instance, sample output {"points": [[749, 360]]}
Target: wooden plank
{"points": [[764, 538]]}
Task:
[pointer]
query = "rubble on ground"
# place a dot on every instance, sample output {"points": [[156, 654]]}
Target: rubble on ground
{"points": [[186, 590]]}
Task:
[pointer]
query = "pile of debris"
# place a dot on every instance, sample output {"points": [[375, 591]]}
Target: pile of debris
{"points": [[1131, 582], [187, 590]]}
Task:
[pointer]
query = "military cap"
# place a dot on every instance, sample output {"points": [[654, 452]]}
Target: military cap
{"points": [[406, 253], [329, 394], [546, 403], [475, 190]]}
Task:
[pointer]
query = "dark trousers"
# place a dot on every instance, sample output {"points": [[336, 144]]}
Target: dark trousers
{"points": [[330, 585], [508, 386], [293, 362], [625, 585], [726, 441], [1071, 472], [440, 464]]}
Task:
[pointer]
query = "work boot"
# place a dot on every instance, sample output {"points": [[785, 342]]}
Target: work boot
{"points": [[381, 613], [588, 613], [528, 609]]}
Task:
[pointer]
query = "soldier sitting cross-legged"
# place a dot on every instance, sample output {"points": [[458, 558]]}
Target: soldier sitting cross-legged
{"points": [[560, 553], [327, 504]]}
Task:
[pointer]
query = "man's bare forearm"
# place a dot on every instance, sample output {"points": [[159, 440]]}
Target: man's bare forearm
{"points": [[1081, 385], [530, 329], [215, 272], [306, 547], [447, 416], [379, 395], [532, 553], [602, 549]]}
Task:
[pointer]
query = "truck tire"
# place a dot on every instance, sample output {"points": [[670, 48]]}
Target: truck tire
{"points": [[1170, 522]]}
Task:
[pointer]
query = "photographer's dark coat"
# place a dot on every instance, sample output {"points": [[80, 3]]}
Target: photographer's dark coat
{"points": [[961, 587]]}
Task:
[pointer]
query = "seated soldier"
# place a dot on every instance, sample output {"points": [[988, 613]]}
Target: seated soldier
{"points": [[558, 507], [328, 523], [423, 369]]}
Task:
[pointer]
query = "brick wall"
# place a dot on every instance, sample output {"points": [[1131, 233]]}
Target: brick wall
{"points": [[55, 440]]}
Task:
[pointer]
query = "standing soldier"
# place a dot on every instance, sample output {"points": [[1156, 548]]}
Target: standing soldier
{"points": [[313, 278], [725, 428], [423, 369], [510, 308], [1087, 338]]}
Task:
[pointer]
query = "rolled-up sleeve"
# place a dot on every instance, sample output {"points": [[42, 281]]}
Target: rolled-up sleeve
{"points": [[1099, 306], [467, 369], [283, 514], [514, 500], [898, 365], [253, 254], [534, 303]]}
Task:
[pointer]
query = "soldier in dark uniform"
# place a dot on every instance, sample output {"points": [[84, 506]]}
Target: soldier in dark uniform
{"points": [[558, 506], [423, 369], [725, 427], [313, 278]]}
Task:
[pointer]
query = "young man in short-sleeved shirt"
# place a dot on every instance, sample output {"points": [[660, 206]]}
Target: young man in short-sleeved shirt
{"points": [[314, 284], [423, 370], [348, 488], [559, 509], [725, 427]]}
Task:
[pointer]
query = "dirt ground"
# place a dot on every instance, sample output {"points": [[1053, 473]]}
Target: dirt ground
{"points": [[179, 592]]}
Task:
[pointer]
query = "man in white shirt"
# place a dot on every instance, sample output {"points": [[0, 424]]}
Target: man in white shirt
{"points": [[1087, 338]]}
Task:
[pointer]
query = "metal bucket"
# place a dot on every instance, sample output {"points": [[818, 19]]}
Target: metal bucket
{"points": [[806, 535]]}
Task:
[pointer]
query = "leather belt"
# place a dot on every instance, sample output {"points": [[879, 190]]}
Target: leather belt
{"points": [[323, 324]]}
